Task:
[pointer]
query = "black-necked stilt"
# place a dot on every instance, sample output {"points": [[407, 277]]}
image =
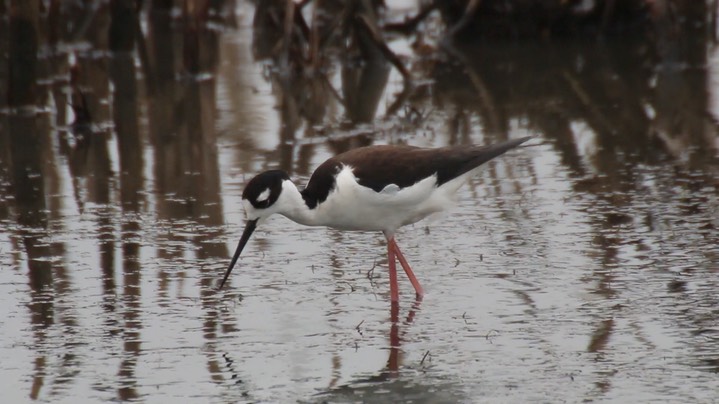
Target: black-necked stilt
{"points": [[378, 188]]}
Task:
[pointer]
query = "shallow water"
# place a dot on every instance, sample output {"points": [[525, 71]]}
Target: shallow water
{"points": [[584, 267]]}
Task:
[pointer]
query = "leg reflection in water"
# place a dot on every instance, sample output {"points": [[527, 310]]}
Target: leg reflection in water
{"points": [[395, 342]]}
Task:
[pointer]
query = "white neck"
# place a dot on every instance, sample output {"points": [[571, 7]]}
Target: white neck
{"points": [[291, 205]]}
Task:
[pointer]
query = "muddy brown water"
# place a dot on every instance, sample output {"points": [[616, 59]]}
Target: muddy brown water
{"points": [[582, 268]]}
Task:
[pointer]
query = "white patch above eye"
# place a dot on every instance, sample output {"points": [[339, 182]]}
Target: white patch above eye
{"points": [[263, 195]]}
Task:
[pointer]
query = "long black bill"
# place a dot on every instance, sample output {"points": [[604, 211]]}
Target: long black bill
{"points": [[249, 228]]}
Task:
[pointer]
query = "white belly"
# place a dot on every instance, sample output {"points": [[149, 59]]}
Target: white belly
{"points": [[351, 206]]}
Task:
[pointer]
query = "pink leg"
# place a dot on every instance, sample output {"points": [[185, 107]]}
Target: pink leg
{"points": [[392, 245], [393, 286]]}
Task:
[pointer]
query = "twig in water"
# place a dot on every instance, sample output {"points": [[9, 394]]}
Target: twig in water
{"points": [[370, 273], [352, 288], [426, 354], [359, 331], [371, 277]]}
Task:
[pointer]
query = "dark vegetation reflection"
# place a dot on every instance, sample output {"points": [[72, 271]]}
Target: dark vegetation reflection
{"points": [[68, 55], [645, 153]]}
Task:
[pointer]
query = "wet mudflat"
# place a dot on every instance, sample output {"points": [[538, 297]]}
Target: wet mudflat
{"points": [[584, 267]]}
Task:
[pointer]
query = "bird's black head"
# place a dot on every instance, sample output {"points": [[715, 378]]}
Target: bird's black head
{"points": [[264, 190], [259, 199]]}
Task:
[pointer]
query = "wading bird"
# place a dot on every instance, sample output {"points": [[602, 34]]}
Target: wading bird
{"points": [[373, 188]]}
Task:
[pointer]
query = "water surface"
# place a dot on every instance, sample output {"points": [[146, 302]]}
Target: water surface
{"points": [[581, 268]]}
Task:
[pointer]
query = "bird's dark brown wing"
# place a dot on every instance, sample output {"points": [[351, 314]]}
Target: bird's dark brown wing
{"points": [[378, 166]]}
